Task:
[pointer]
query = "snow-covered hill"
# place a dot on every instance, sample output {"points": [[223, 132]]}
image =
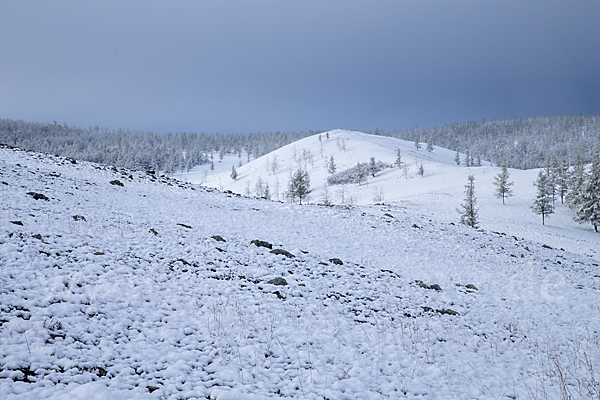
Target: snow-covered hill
{"points": [[438, 193], [117, 285]]}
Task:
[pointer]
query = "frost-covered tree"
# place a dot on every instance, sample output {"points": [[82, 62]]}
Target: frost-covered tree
{"points": [[457, 158], [542, 205], [589, 206], [421, 171], [468, 210], [430, 145], [417, 143], [361, 175], [503, 186], [331, 167], [562, 179], [576, 184], [259, 188], [267, 192], [234, 173], [372, 167], [398, 161], [299, 185]]}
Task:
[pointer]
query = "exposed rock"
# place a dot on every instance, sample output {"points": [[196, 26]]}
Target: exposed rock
{"points": [[116, 182], [282, 252], [261, 243], [185, 226], [78, 218], [218, 238], [278, 281], [17, 223], [38, 196], [471, 286], [336, 261], [152, 231], [447, 311]]}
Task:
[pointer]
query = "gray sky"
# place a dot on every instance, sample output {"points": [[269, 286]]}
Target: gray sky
{"points": [[247, 66]]}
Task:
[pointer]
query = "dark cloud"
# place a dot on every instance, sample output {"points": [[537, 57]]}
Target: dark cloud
{"points": [[234, 66]]}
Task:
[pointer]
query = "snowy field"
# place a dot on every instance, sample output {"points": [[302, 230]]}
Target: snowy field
{"points": [[117, 284], [437, 194]]}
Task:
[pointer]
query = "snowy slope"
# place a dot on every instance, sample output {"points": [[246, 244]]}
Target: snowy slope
{"points": [[119, 292], [438, 194]]}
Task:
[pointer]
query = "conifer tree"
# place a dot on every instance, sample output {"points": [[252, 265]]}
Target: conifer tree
{"points": [[299, 185], [468, 210], [457, 158], [361, 176], [331, 167], [542, 205], [421, 171], [233, 173], [589, 206], [398, 161], [502, 184], [429, 145], [372, 167]]}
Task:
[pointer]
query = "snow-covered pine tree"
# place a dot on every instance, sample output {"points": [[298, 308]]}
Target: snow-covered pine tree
{"points": [[361, 175], [299, 185], [372, 167], [589, 206], [421, 171], [576, 184], [331, 167], [502, 184], [430, 145], [457, 158], [398, 161], [234, 173], [542, 205], [562, 179], [468, 210]]}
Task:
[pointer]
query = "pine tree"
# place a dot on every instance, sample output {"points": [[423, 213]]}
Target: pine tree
{"points": [[468, 210], [417, 144], [421, 171], [233, 173], [361, 176], [457, 158], [589, 207], [562, 179], [429, 145], [398, 161], [542, 205], [372, 167], [267, 192], [299, 185], [576, 185], [502, 184], [331, 167]]}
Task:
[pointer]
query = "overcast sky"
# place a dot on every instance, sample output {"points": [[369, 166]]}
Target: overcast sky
{"points": [[247, 66]]}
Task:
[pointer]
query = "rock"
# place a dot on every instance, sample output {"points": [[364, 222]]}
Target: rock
{"points": [[38, 196], [78, 217], [261, 243], [152, 231], [279, 296], [435, 286], [447, 311], [17, 223], [278, 281], [471, 286], [218, 238], [388, 215], [116, 182], [416, 226], [282, 252], [185, 226], [336, 261]]}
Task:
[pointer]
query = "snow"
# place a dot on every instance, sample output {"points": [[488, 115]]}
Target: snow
{"points": [[102, 307], [438, 193]]}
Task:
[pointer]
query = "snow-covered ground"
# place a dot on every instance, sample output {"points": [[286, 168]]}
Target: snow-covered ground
{"points": [[115, 285], [438, 194]]}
